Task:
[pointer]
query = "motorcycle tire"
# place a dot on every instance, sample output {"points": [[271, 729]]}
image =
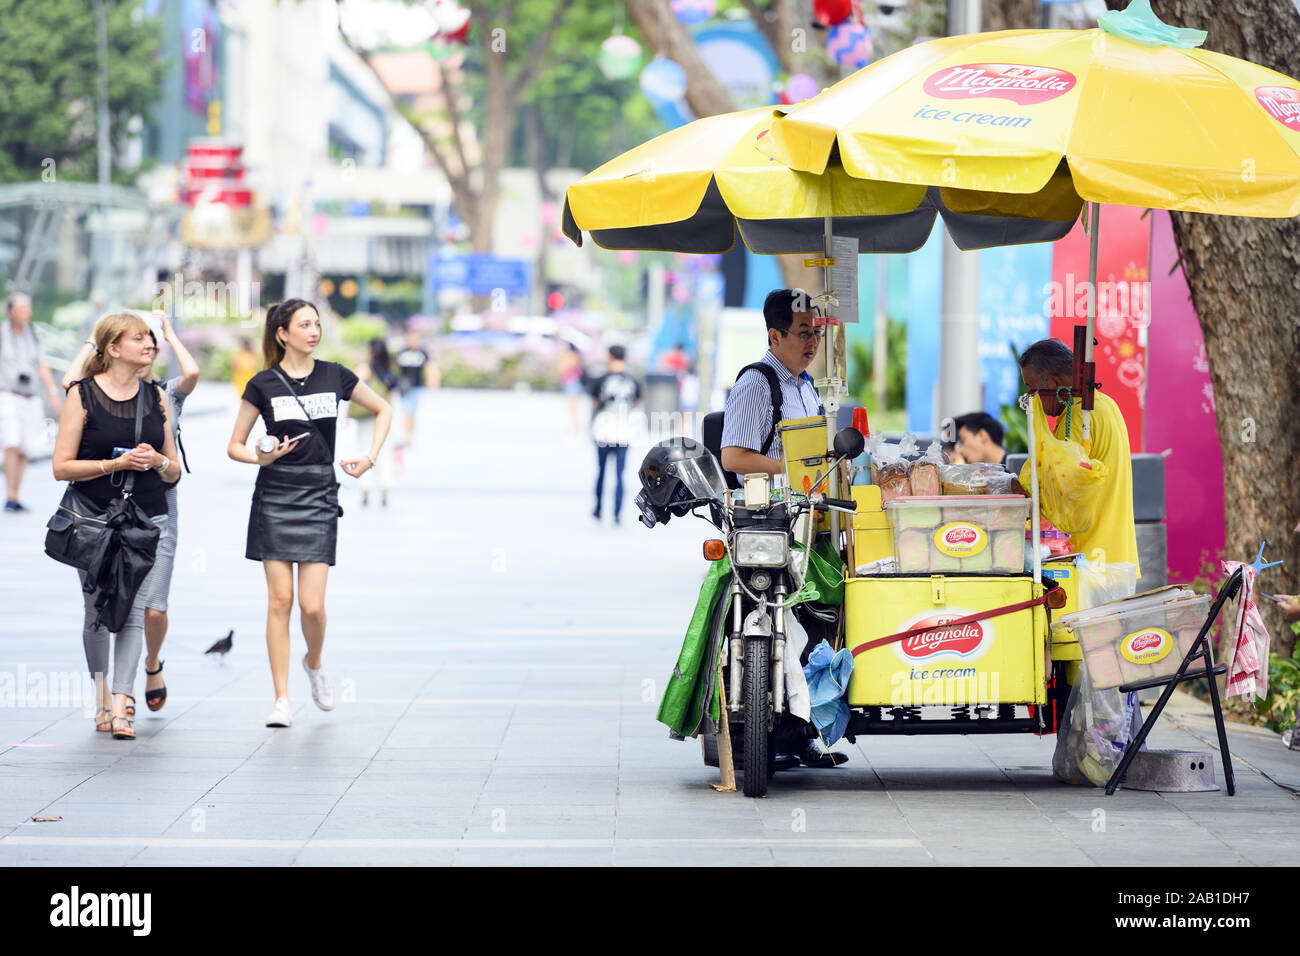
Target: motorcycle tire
{"points": [[759, 757]]}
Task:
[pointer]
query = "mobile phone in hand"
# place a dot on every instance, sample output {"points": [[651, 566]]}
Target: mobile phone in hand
{"points": [[299, 437]]}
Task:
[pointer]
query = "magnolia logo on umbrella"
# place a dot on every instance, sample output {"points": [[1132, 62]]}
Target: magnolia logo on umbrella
{"points": [[963, 640], [1146, 646], [1282, 103], [1016, 82]]}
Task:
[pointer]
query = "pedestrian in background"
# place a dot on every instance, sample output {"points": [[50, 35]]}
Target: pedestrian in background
{"points": [[378, 373], [243, 366], [295, 509], [177, 388], [413, 369], [22, 412], [96, 447], [571, 375], [614, 395]]}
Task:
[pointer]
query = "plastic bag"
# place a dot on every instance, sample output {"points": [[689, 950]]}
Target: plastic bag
{"points": [[923, 475], [1101, 583], [827, 673], [889, 468], [1095, 729], [968, 479], [1069, 482], [1097, 724]]}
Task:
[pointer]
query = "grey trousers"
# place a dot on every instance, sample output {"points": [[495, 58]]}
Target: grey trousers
{"points": [[130, 640]]}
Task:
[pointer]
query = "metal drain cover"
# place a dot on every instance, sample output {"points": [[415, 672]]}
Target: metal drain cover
{"points": [[1171, 771]]}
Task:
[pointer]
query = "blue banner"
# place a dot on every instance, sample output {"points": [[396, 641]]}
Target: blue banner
{"points": [[480, 274]]}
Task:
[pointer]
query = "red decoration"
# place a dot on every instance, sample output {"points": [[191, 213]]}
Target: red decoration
{"points": [[830, 12]]}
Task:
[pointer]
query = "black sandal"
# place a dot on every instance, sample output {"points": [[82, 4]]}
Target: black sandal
{"points": [[155, 699]]}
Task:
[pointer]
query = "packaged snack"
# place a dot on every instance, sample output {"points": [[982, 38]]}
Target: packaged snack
{"points": [[916, 517], [1103, 667], [1008, 551], [979, 562], [913, 551], [924, 472], [942, 562], [963, 480]]}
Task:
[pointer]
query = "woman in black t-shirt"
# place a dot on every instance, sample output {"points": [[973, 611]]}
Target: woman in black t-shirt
{"points": [[294, 515], [96, 448]]}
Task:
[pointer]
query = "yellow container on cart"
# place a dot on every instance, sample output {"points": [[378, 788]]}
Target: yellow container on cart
{"points": [[998, 660], [873, 537], [1064, 647], [804, 442]]}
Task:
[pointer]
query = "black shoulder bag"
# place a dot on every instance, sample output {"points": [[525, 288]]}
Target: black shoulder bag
{"points": [[117, 543], [306, 414]]}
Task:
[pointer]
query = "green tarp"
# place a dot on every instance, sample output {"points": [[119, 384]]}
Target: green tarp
{"points": [[691, 704]]}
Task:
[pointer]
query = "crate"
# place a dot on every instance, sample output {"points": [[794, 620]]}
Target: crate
{"points": [[979, 533]]}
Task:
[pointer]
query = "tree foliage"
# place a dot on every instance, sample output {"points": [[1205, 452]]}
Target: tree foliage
{"points": [[48, 74]]}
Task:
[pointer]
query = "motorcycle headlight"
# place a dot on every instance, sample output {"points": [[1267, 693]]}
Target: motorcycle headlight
{"points": [[761, 549]]}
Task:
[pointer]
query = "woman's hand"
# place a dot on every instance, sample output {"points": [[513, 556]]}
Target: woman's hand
{"points": [[356, 467], [141, 458], [1290, 606], [283, 448], [165, 322]]}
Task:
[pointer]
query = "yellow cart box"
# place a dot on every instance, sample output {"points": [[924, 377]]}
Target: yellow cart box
{"points": [[873, 538], [1064, 645], [998, 660]]}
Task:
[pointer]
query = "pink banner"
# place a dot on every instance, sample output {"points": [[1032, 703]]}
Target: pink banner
{"points": [[1180, 413], [1122, 305]]}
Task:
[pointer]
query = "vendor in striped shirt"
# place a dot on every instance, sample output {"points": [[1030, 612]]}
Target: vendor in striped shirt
{"points": [[750, 444]]}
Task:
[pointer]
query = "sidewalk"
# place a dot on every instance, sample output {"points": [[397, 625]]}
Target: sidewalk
{"points": [[498, 658]]}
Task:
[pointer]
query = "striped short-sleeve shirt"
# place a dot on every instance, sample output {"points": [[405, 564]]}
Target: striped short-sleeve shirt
{"points": [[748, 412]]}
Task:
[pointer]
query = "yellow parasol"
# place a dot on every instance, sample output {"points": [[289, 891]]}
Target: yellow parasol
{"points": [[1130, 113]]}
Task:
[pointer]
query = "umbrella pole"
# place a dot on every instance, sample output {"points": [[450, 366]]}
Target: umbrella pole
{"points": [[831, 396], [1092, 307]]}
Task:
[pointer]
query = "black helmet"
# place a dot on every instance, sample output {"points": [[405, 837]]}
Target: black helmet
{"points": [[676, 474]]}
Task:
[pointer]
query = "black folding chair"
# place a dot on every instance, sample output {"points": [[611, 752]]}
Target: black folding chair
{"points": [[1202, 655]]}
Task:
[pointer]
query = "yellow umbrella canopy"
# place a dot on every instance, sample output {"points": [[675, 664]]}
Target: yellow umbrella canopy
{"points": [[690, 189], [1170, 127]]}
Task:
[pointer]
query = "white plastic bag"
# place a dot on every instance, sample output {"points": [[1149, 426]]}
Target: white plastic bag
{"points": [[1097, 724]]}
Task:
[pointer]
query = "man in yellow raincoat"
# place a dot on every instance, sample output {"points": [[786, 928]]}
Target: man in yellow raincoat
{"points": [[1112, 537]]}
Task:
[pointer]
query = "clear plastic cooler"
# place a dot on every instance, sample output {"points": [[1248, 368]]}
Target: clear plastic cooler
{"points": [[1139, 637], [969, 533]]}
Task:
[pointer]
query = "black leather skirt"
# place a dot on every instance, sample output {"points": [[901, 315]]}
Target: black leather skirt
{"points": [[295, 514]]}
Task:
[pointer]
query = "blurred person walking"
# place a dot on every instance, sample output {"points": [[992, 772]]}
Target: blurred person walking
{"points": [[244, 365], [177, 389], [614, 395], [571, 376], [22, 411], [295, 508], [413, 368], [378, 373], [96, 448]]}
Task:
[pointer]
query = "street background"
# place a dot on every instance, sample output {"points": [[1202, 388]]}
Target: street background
{"points": [[498, 658]]}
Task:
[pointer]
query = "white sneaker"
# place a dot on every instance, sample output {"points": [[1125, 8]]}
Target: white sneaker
{"points": [[281, 715], [321, 690]]}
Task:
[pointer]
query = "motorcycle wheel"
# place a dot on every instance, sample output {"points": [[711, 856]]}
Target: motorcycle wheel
{"points": [[758, 743]]}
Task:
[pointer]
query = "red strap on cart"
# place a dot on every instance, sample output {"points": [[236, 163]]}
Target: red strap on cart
{"points": [[969, 619]]}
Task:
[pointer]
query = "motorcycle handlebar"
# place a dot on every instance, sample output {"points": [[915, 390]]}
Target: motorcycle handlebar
{"points": [[840, 503]]}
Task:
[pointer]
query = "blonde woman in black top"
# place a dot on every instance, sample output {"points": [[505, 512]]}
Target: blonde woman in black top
{"points": [[294, 514], [98, 418]]}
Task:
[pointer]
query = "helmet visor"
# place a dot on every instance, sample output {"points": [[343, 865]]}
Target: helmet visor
{"points": [[702, 477]]}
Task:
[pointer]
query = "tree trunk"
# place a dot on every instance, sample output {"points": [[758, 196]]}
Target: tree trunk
{"points": [[1244, 276], [1009, 15], [669, 38]]}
